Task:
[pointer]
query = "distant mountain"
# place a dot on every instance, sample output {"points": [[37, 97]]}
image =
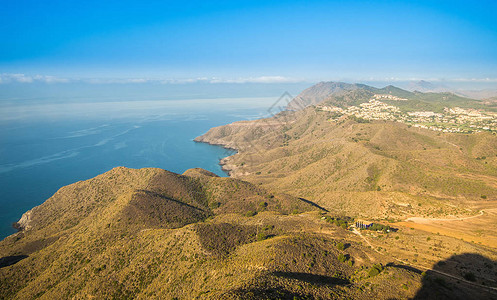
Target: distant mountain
{"points": [[425, 86], [430, 87], [479, 94], [345, 94], [321, 91], [342, 94], [349, 98], [394, 91]]}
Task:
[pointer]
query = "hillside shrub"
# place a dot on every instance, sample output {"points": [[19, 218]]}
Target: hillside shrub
{"points": [[375, 270], [215, 204], [250, 213], [379, 227], [340, 221], [262, 205], [261, 236]]}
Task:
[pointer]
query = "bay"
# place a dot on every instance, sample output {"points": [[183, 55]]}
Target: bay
{"points": [[47, 145]]}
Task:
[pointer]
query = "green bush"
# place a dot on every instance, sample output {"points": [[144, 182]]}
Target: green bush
{"points": [[261, 236], [215, 204], [340, 246], [340, 222], [379, 227], [268, 227], [262, 205], [341, 257], [250, 213], [358, 119], [375, 270]]}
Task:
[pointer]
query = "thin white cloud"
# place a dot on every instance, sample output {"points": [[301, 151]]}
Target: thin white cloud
{"points": [[184, 80], [395, 79], [261, 79], [491, 80], [6, 78], [214, 80], [115, 80], [50, 79], [23, 78]]}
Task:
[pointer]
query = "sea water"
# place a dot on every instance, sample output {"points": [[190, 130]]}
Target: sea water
{"points": [[46, 145]]}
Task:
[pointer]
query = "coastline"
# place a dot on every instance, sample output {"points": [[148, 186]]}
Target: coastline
{"points": [[226, 167], [237, 136]]}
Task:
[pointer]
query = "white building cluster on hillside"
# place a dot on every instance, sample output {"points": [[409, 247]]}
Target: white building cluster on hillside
{"points": [[451, 120], [388, 97]]}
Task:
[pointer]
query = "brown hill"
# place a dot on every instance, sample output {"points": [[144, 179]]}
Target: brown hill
{"points": [[377, 169], [125, 234], [150, 233], [443, 186]]}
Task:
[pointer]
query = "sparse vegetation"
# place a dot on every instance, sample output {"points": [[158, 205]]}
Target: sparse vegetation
{"points": [[155, 234], [375, 270], [341, 257], [379, 227], [339, 221], [250, 213]]}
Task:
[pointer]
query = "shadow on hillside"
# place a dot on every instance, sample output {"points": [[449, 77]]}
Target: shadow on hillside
{"points": [[475, 278], [154, 194], [312, 278], [270, 287], [11, 260], [313, 204], [405, 267]]}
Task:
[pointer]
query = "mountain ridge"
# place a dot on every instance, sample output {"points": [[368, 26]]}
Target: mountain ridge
{"points": [[320, 91], [124, 249], [336, 92]]}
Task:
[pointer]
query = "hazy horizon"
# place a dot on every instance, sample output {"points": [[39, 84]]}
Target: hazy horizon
{"points": [[223, 42]]}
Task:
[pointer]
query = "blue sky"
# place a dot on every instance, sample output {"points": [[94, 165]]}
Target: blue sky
{"points": [[249, 40]]}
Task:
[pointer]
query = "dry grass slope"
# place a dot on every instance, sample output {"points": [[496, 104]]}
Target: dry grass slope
{"points": [[379, 169], [150, 233]]}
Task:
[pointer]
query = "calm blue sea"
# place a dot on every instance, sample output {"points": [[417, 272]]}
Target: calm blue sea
{"points": [[46, 145]]}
